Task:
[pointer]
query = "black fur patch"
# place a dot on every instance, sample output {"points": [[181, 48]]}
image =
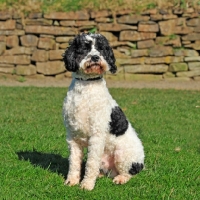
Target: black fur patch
{"points": [[136, 168], [119, 123]]}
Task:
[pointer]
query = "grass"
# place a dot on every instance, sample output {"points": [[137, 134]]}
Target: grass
{"points": [[26, 6], [33, 152]]}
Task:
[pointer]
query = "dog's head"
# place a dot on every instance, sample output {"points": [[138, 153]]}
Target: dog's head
{"points": [[90, 55]]}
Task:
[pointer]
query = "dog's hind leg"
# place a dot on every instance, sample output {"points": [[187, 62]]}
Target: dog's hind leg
{"points": [[95, 152], [75, 161]]}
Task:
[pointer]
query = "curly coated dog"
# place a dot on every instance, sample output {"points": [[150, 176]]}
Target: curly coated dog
{"points": [[93, 118]]}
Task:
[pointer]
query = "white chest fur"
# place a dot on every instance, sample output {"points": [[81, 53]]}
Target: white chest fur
{"points": [[87, 108]]}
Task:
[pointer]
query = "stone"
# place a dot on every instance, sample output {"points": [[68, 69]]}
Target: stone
{"points": [[50, 30], [78, 15], [35, 15], [196, 78], [183, 30], [170, 27], [132, 19], [50, 68], [168, 75], [156, 17], [169, 16], [7, 25], [141, 69], [63, 45], [12, 41], [188, 73], [142, 77], [46, 43], [124, 50], [109, 36], [178, 11], [135, 36], [119, 55], [16, 59], [178, 67], [181, 21], [130, 61], [197, 29], [19, 50], [150, 12], [194, 66], [166, 60], [139, 53], [148, 27], [191, 37], [115, 27], [7, 69], [39, 22], [2, 38], [67, 23], [145, 44], [56, 54], [166, 40], [167, 27], [186, 52], [68, 74], [193, 22], [60, 76], [5, 15], [192, 59], [195, 45], [181, 79], [40, 55], [12, 32], [2, 47], [29, 40], [85, 23], [99, 14], [64, 39], [160, 51], [103, 20], [175, 42], [25, 70]]}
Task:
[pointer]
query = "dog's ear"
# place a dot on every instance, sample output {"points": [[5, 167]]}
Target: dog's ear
{"points": [[69, 56], [111, 60], [107, 52]]}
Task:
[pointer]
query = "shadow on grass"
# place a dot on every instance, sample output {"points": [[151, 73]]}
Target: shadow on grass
{"points": [[52, 162]]}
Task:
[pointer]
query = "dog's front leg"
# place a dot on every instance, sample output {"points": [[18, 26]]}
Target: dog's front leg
{"points": [[95, 152], [75, 160]]}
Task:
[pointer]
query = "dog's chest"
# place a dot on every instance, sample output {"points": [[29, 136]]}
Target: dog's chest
{"points": [[87, 108]]}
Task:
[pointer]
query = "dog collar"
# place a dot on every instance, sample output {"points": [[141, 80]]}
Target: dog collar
{"points": [[89, 79]]}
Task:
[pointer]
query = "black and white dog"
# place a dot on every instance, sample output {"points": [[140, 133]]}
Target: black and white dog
{"points": [[93, 118]]}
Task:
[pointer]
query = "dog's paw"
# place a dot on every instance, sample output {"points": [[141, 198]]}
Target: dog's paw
{"points": [[72, 181], [87, 185], [121, 179]]}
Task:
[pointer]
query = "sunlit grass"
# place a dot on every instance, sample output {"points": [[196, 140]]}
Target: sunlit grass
{"points": [[33, 152]]}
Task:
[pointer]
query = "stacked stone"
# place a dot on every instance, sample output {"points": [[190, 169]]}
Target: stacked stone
{"points": [[155, 45]]}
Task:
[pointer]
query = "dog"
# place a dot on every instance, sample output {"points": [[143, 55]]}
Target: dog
{"points": [[94, 120]]}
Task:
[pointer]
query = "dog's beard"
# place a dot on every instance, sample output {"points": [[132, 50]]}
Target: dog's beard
{"points": [[96, 68]]}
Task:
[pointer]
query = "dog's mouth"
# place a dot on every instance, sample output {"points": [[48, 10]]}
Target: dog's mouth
{"points": [[94, 68]]}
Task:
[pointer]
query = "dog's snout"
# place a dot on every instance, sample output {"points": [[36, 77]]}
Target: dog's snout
{"points": [[94, 58]]}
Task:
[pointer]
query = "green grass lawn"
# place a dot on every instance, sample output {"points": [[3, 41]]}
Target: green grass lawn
{"points": [[33, 152]]}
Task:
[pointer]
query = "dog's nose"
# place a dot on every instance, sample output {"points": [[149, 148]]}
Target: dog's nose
{"points": [[94, 58]]}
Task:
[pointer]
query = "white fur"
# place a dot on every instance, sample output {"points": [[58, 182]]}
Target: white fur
{"points": [[87, 115], [87, 110]]}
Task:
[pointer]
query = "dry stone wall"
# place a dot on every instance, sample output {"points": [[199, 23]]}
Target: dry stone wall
{"points": [[153, 45]]}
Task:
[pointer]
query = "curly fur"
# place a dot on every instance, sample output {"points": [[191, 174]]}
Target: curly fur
{"points": [[93, 118]]}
